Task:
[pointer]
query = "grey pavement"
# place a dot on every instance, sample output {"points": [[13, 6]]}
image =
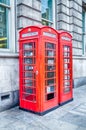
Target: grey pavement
{"points": [[71, 116]]}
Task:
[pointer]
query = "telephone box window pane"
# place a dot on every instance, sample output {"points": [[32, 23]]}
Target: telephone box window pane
{"points": [[28, 83], [50, 74], [4, 35], [50, 61], [50, 46], [28, 53], [50, 81], [29, 61], [30, 90], [65, 66], [29, 68], [67, 77], [66, 89], [66, 72], [29, 45], [50, 89], [50, 96], [29, 97], [66, 83], [28, 74], [50, 53], [67, 60], [66, 54], [49, 68]]}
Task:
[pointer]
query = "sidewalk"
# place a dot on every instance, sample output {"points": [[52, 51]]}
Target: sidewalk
{"points": [[71, 116]]}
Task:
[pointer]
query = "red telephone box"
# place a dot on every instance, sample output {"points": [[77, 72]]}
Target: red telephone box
{"points": [[38, 50], [65, 67]]}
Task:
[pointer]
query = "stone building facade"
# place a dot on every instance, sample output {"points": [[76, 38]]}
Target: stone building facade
{"points": [[69, 15]]}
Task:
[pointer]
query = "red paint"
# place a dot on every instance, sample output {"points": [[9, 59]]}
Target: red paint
{"points": [[38, 65], [65, 67]]}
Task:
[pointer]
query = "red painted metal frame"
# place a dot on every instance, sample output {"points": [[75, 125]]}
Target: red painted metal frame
{"points": [[42, 36], [65, 39]]}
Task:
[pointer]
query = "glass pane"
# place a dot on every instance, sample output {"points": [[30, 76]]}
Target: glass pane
{"points": [[50, 96], [65, 66], [50, 81], [50, 53], [28, 53], [29, 46], [7, 2], [47, 9], [29, 97], [67, 60], [66, 71], [28, 82], [29, 68], [50, 46], [66, 83], [30, 90], [50, 74], [28, 74], [50, 61], [67, 54], [29, 61], [67, 89], [66, 48], [67, 77], [3, 27], [50, 68], [50, 89]]}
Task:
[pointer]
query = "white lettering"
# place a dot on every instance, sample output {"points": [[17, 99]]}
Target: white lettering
{"points": [[29, 34]]}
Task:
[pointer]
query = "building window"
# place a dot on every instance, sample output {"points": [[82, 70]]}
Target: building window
{"points": [[47, 12], [4, 23]]}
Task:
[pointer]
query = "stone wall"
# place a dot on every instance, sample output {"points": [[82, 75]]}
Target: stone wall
{"points": [[28, 13], [9, 82]]}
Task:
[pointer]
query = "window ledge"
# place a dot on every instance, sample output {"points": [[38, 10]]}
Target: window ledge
{"points": [[79, 57], [9, 55]]}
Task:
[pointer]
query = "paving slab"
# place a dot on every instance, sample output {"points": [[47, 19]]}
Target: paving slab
{"points": [[71, 116]]}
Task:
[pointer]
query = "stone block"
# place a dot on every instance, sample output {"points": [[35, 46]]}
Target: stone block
{"points": [[79, 81], [66, 3], [79, 68], [77, 14], [63, 17], [74, 43], [71, 3], [78, 2], [26, 2], [63, 26], [77, 36], [8, 100], [36, 4], [63, 8], [23, 22], [10, 77], [77, 52]]}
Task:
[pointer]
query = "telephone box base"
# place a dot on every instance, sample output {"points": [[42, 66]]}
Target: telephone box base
{"points": [[63, 103], [40, 113]]}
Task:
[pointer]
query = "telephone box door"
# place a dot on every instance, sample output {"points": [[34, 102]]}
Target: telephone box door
{"points": [[50, 71], [28, 74]]}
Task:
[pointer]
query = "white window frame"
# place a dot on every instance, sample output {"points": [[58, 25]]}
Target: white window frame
{"points": [[11, 28], [54, 12]]}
